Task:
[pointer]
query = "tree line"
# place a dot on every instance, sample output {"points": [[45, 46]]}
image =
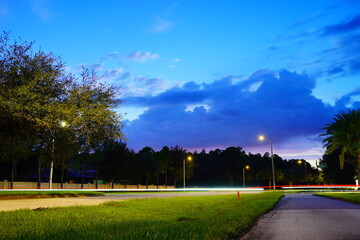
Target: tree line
{"points": [[115, 163]]}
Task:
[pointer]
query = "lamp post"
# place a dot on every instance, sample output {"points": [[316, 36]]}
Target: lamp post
{"points": [[246, 167], [189, 158], [52, 162], [262, 138], [303, 161], [62, 124]]}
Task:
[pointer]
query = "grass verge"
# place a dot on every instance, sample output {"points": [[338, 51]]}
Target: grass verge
{"points": [[45, 194], [346, 196], [205, 217]]}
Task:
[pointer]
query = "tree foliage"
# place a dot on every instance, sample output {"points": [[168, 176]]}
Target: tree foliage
{"points": [[37, 94], [344, 134]]}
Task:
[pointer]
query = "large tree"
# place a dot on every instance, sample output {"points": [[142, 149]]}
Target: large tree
{"points": [[344, 134], [37, 94], [32, 94], [92, 118]]}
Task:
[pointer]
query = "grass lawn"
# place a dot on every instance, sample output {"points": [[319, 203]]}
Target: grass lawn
{"points": [[345, 196], [205, 217], [45, 194]]}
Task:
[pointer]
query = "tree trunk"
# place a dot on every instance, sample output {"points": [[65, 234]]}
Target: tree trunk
{"points": [[166, 176], [62, 175], [39, 171], [12, 175], [83, 174], [97, 174], [157, 181], [112, 183]]}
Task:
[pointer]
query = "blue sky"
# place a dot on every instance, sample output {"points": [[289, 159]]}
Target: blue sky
{"points": [[209, 74]]}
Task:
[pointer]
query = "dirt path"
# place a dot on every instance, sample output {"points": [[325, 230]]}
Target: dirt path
{"points": [[10, 205], [15, 204]]}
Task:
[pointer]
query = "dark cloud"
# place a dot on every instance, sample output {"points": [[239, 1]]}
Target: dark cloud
{"points": [[347, 100], [308, 20], [346, 55], [336, 70], [112, 56], [228, 113], [349, 26]]}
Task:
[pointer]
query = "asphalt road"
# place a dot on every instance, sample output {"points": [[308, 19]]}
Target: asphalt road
{"points": [[304, 216], [10, 205]]}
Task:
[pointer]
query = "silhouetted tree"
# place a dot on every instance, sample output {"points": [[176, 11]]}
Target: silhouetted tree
{"points": [[344, 134]]}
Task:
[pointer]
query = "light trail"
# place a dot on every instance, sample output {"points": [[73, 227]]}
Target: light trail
{"points": [[145, 190], [214, 189]]}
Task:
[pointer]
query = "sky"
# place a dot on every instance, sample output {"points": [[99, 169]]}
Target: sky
{"points": [[209, 74]]}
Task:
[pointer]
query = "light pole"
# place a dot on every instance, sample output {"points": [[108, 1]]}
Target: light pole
{"points": [[52, 161], [303, 161], [62, 124], [262, 138], [246, 167], [189, 158]]}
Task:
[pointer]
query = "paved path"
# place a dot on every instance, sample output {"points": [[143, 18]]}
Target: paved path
{"points": [[9, 205], [304, 216]]}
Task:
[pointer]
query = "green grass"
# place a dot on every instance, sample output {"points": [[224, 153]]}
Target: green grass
{"points": [[205, 217], [345, 196], [49, 193]]}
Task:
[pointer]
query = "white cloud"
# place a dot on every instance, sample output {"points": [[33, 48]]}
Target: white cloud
{"points": [[253, 87], [137, 86], [173, 62], [139, 56], [113, 73], [41, 9], [161, 25]]}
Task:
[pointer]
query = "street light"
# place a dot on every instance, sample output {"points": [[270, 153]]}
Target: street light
{"points": [[246, 167], [62, 124], [262, 138], [303, 161], [189, 158]]}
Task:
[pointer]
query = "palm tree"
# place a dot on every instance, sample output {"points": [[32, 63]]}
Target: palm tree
{"points": [[344, 134]]}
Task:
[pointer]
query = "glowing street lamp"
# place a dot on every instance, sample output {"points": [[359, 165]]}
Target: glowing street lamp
{"points": [[246, 167], [262, 138], [300, 162], [189, 158], [62, 124]]}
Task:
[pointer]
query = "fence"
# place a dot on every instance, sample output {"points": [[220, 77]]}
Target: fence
{"points": [[33, 185]]}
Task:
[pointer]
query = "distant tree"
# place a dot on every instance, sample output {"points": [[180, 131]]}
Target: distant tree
{"points": [[203, 169], [178, 155], [332, 172], [116, 162], [231, 162], [147, 163], [344, 134], [164, 157]]}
